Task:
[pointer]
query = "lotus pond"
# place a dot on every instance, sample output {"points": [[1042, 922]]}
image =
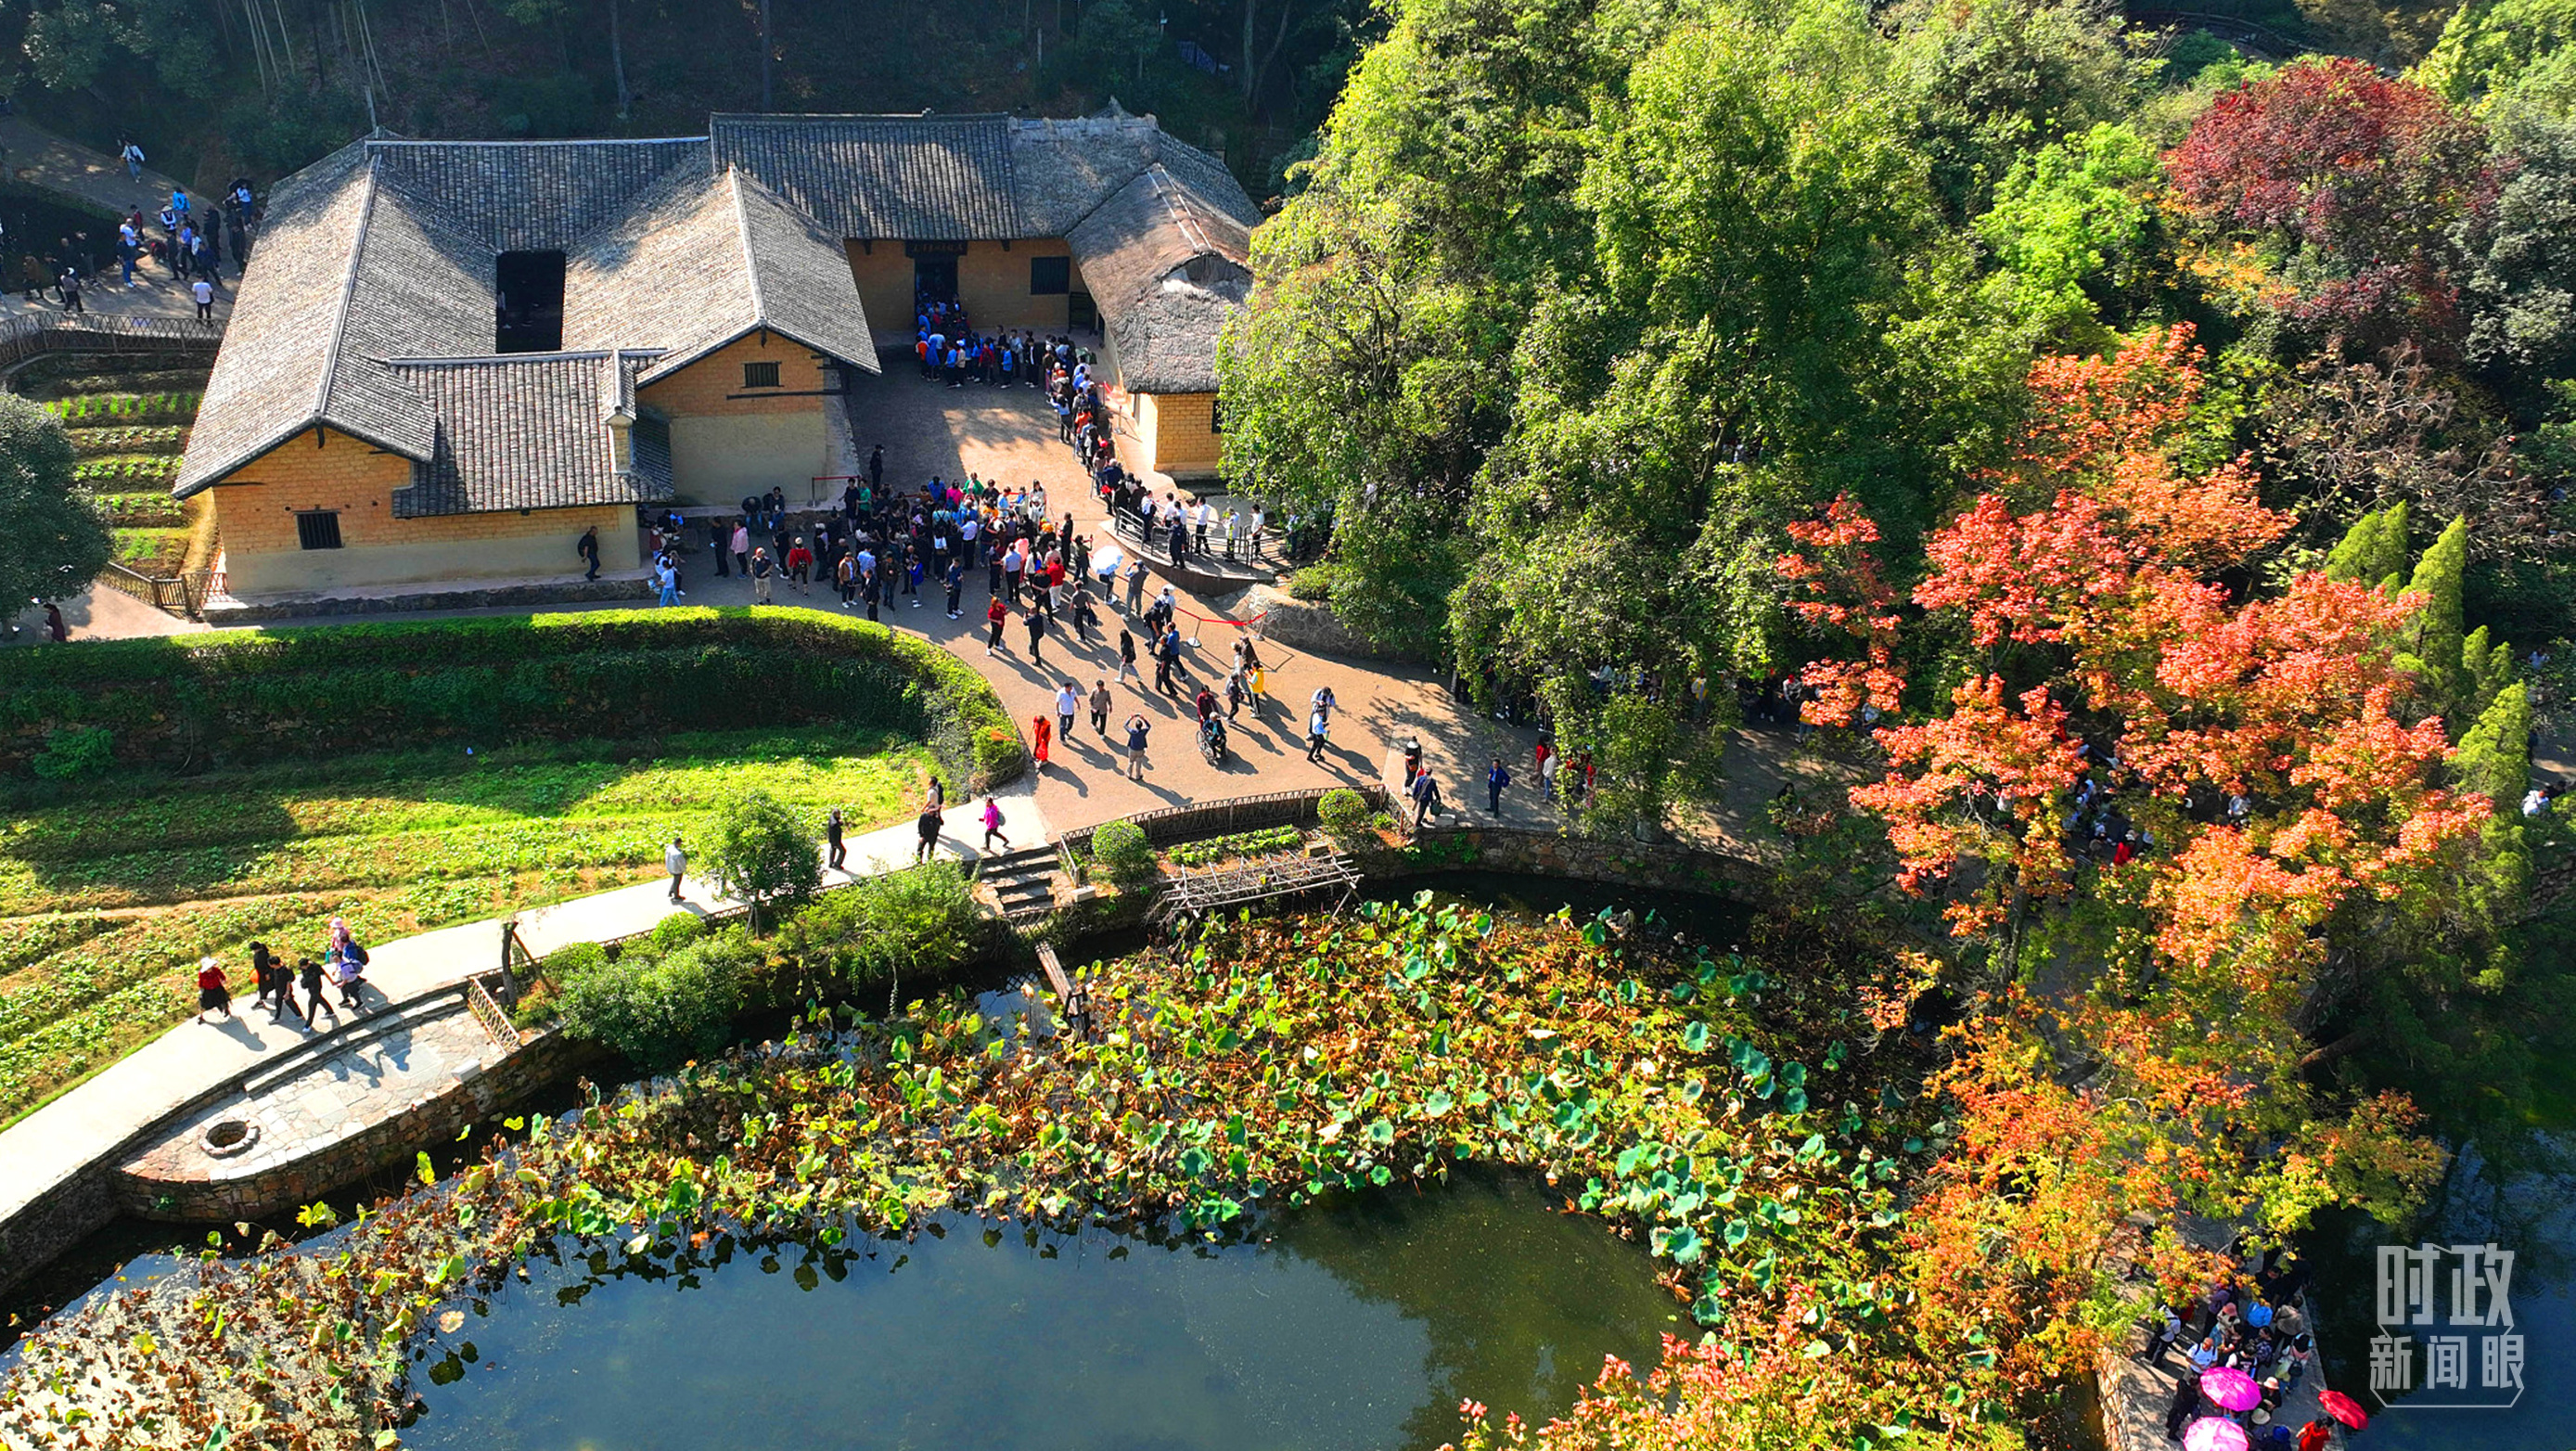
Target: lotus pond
{"points": [[1355, 1324]]}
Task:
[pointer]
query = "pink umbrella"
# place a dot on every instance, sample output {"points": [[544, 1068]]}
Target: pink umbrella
{"points": [[2231, 1388], [2211, 1433]]}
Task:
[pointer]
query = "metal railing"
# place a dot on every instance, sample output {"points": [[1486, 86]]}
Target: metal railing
{"points": [[184, 595], [25, 337]]}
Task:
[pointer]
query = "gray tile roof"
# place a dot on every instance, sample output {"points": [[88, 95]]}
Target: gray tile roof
{"points": [[377, 263], [525, 432], [1166, 265], [532, 196], [911, 178]]}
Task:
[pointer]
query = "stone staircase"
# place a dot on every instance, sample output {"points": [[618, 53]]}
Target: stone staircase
{"points": [[1022, 882]]}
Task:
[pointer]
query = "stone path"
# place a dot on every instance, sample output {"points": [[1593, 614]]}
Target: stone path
{"points": [[94, 1119]]}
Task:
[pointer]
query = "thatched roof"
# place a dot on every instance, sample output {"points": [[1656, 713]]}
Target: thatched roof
{"points": [[1167, 267]]}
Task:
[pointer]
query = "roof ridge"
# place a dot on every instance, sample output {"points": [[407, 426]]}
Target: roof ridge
{"points": [[750, 257], [330, 369], [373, 143], [1168, 188]]}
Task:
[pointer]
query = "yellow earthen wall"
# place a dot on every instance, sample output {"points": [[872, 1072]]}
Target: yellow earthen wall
{"points": [[255, 513], [993, 283], [728, 440], [1174, 430]]}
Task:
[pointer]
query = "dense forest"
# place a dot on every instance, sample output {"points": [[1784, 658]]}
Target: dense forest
{"points": [[2140, 460], [264, 86]]}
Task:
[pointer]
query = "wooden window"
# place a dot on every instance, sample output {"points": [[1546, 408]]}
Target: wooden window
{"points": [[1050, 276], [760, 375], [1216, 415], [318, 528]]}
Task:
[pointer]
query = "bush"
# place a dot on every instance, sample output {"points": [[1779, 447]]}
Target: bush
{"points": [[922, 922], [765, 856], [658, 1010], [1344, 814], [74, 751], [571, 961], [677, 931], [1314, 583], [1122, 851]]}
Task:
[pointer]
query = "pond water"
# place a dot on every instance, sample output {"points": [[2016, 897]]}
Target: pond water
{"points": [[1351, 1326], [2525, 1203]]}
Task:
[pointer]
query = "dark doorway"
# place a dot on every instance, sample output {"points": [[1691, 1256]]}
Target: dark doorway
{"points": [[1079, 313], [530, 302], [934, 279]]}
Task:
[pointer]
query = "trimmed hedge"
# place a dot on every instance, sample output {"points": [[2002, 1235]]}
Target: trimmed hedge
{"points": [[610, 673]]}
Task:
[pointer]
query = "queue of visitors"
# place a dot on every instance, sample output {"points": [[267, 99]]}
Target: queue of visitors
{"points": [[342, 965]]}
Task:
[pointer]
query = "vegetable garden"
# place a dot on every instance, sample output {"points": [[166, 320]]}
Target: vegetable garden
{"points": [[128, 423], [1737, 1122], [191, 796]]}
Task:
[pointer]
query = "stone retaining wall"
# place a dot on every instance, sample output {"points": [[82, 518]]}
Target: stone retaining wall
{"points": [[571, 590]]}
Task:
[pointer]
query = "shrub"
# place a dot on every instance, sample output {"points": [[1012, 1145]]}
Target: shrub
{"points": [[922, 921], [1344, 814], [74, 751], [1122, 851], [571, 961], [1313, 583], [677, 931], [765, 856], [658, 1010]]}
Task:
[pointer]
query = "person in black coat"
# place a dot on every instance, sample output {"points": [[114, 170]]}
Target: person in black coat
{"points": [[2186, 1404]]}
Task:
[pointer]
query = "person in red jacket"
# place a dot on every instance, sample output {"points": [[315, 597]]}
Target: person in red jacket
{"points": [[995, 614], [213, 994]]}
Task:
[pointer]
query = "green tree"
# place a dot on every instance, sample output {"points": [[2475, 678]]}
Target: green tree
{"points": [[2374, 550], [765, 855], [2436, 653], [656, 1008], [2071, 214], [2488, 46], [2521, 277], [1989, 81], [58, 540]]}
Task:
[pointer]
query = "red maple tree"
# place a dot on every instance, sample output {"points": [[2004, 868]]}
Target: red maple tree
{"points": [[2262, 750], [2367, 174]]}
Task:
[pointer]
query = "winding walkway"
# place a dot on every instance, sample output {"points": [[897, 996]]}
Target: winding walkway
{"points": [[100, 1117]]}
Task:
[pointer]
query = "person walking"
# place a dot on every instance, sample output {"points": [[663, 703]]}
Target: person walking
{"points": [[309, 973], [133, 155], [1127, 657], [1100, 708], [1167, 660], [668, 579], [204, 292], [61, 633], [837, 855], [996, 614], [1426, 797], [926, 826], [742, 548], [1318, 727], [348, 964], [993, 825], [586, 548], [1036, 623], [800, 566], [213, 994], [675, 860], [1041, 731], [720, 544], [1136, 586], [956, 585], [1137, 731], [1496, 778], [762, 572], [1068, 699]]}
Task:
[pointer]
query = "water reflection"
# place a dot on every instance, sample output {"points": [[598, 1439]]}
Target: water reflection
{"points": [[1351, 1327], [2523, 1200]]}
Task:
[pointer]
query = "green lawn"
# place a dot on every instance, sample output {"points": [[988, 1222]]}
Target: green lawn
{"points": [[110, 890]]}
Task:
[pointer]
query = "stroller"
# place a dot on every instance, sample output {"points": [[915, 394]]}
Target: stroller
{"points": [[1212, 739]]}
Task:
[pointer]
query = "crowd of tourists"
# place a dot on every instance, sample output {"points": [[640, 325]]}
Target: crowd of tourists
{"points": [[341, 968], [189, 239], [2250, 1323]]}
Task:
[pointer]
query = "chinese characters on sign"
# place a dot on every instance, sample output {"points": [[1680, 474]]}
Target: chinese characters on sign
{"points": [[2455, 1349]]}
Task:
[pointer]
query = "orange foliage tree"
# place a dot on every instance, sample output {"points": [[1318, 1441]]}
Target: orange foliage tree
{"points": [[2134, 1031]]}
